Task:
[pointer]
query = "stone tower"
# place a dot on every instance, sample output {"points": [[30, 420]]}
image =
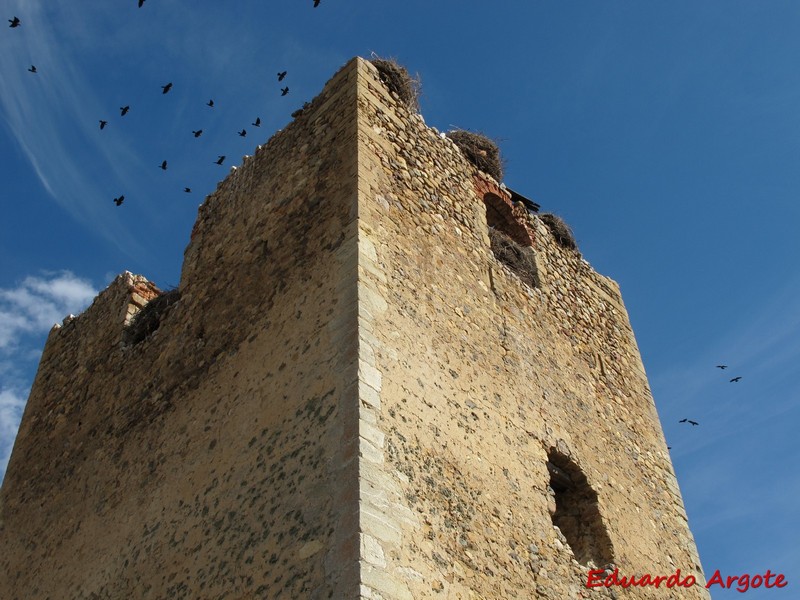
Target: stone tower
{"points": [[353, 393]]}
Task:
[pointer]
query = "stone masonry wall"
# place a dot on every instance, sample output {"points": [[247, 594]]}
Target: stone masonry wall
{"points": [[216, 458], [350, 398], [477, 377]]}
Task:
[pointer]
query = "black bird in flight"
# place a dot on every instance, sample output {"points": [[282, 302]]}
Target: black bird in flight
{"points": [[197, 133], [14, 22], [693, 423], [103, 124], [220, 160], [316, 3], [141, 2], [243, 133], [166, 88], [281, 75], [124, 110], [32, 69], [688, 421], [210, 103], [164, 165], [735, 380], [187, 190], [723, 367], [683, 420], [257, 122], [284, 91], [119, 201]]}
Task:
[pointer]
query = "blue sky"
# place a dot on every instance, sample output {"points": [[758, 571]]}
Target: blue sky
{"points": [[667, 134]]}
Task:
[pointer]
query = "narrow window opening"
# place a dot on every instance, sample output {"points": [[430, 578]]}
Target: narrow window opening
{"points": [[576, 512]]}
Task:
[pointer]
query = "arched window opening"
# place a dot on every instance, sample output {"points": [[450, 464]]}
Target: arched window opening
{"points": [[500, 216], [510, 241], [576, 512]]}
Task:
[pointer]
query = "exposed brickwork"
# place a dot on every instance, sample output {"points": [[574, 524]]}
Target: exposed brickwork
{"points": [[351, 398], [501, 212]]}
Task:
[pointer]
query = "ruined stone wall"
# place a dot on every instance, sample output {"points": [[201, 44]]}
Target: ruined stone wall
{"points": [[480, 379], [215, 458], [350, 396]]}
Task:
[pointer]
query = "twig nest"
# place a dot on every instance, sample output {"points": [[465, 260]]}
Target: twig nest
{"points": [[479, 150]]}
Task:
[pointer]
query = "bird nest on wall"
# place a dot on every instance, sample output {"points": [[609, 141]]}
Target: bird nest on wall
{"points": [[397, 78], [479, 150], [147, 320], [560, 230], [519, 259]]}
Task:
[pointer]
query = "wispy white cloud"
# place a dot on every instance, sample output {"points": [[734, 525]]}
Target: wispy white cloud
{"points": [[38, 303], [53, 112], [95, 57]]}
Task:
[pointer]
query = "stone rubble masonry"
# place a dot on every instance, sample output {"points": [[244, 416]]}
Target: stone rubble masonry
{"points": [[351, 399]]}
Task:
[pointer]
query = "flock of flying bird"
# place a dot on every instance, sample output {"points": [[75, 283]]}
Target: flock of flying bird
{"points": [[733, 380], [17, 22], [196, 133], [736, 379]]}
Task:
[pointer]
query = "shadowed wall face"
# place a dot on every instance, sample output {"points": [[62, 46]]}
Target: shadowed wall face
{"points": [[210, 456]]}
